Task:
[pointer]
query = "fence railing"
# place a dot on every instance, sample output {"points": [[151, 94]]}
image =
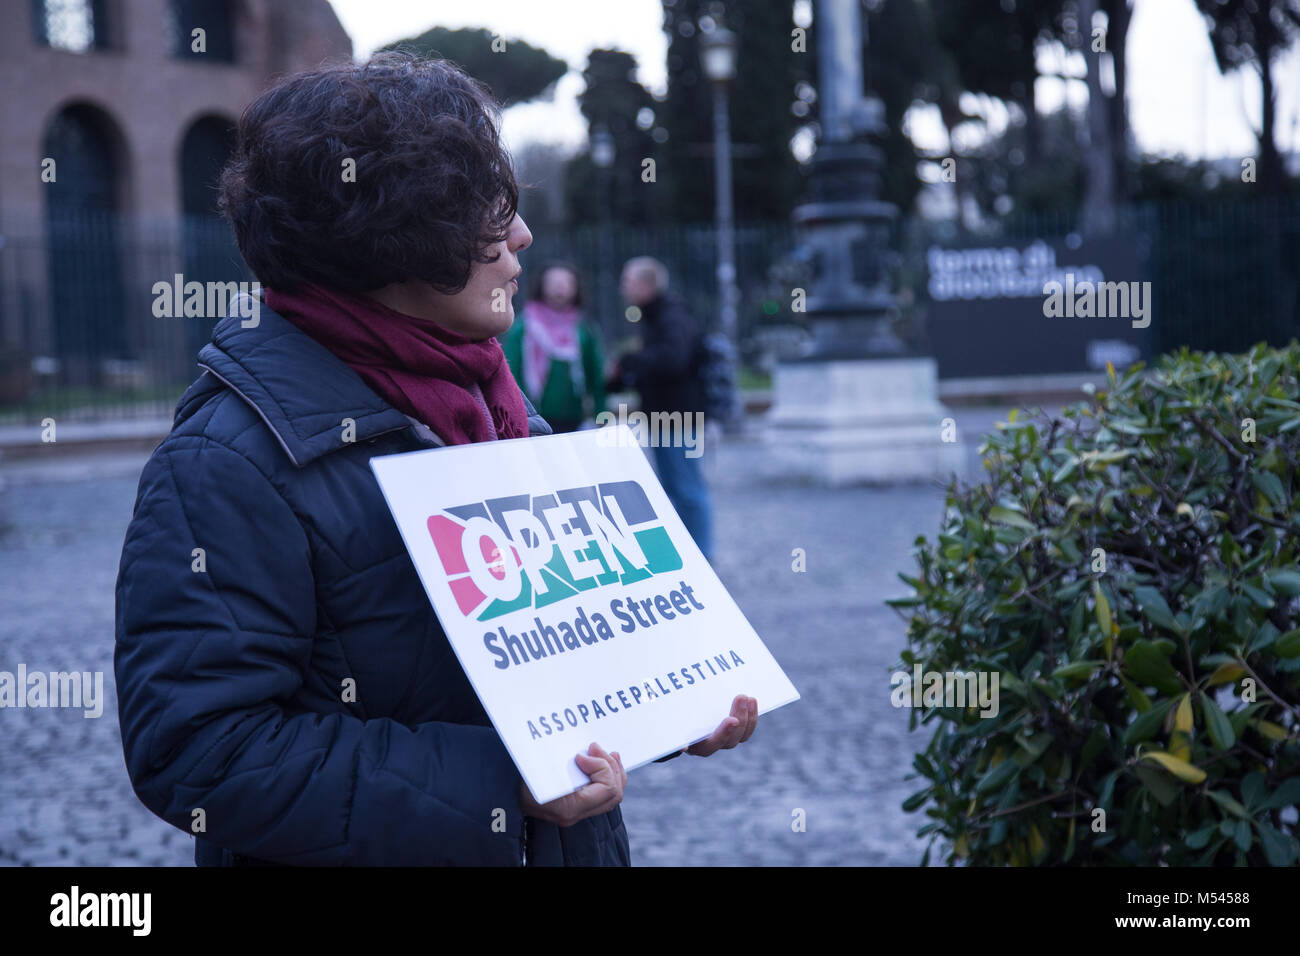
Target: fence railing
{"points": [[79, 334], [1224, 275], [79, 337]]}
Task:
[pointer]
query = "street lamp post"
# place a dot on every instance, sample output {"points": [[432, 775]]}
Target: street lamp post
{"points": [[845, 224], [602, 156], [718, 57]]}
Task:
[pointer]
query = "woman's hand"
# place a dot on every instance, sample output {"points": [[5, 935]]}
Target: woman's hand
{"points": [[733, 730], [604, 793]]}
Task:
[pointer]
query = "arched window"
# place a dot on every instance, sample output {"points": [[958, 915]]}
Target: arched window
{"points": [[77, 26], [204, 150], [85, 259], [201, 30]]}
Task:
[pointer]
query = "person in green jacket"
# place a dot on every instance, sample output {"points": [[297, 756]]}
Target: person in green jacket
{"points": [[557, 357]]}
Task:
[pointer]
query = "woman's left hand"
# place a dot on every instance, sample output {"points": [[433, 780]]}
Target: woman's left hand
{"points": [[735, 729]]}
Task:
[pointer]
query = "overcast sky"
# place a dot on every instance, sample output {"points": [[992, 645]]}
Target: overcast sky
{"points": [[1178, 102]]}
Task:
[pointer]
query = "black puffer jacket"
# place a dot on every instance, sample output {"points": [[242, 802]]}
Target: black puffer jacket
{"points": [[664, 371], [231, 661]]}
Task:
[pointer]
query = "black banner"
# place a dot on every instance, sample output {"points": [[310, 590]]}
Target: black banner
{"points": [[989, 314], [958, 904]]}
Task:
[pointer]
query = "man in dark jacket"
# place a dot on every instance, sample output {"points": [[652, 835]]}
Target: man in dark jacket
{"points": [[665, 375]]}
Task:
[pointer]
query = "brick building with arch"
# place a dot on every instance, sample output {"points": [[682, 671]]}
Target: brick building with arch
{"points": [[117, 116]]}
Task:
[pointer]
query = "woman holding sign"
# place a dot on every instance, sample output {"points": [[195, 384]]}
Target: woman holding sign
{"points": [[286, 693]]}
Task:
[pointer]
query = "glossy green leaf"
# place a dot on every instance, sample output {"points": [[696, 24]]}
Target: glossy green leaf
{"points": [[1228, 803], [1147, 664], [1279, 848], [1286, 795], [916, 800], [1006, 516], [1154, 608], [1288, 645], [1182, 769], [1079, 670], [997, 776], [1102, 609], [1271, 487], [1161, 785], [1217, 724], [1243, 836], [1144, 727], [1285, 581]]}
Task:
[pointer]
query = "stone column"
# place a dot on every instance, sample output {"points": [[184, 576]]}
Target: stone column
{"points": [[859, 408]]}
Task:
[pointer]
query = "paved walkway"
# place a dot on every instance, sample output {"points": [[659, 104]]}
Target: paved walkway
{"points": [[840, 754]]}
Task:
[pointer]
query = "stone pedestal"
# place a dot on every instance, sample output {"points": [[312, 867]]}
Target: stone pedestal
{"points": [[865, 421]]}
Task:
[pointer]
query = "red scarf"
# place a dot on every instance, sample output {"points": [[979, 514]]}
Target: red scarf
{"points": [[460, 388]]}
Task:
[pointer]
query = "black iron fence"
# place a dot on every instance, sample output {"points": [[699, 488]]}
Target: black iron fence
{"points": [[84, 335], [86, 331], [1224, 274]]}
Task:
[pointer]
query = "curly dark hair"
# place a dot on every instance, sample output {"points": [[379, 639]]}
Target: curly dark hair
{"points": [[434, 184]]}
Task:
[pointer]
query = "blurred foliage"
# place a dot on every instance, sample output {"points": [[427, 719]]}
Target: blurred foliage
{"points": [[992, 47], [1156, 679], [614, 100], [901, 75], [520, 73], [999, 176], [968, 61], [1252, 34], [763, 98]]}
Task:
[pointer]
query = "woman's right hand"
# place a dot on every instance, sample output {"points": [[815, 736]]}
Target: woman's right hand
{"points": [[604, 793]]}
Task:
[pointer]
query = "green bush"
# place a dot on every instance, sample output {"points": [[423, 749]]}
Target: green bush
{"points": [[1129, 571]]}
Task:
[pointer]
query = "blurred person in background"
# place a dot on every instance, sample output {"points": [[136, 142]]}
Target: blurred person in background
{"points": [[555, 355], [664, 373]]}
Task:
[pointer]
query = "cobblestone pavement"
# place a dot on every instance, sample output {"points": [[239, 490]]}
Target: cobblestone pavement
{"points": [[840, 754], [64, 794]]}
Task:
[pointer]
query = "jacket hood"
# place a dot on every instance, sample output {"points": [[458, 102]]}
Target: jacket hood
{"points": [[301, 390]]}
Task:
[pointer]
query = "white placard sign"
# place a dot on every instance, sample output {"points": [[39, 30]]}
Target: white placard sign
{"points": [[575, 599]]}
